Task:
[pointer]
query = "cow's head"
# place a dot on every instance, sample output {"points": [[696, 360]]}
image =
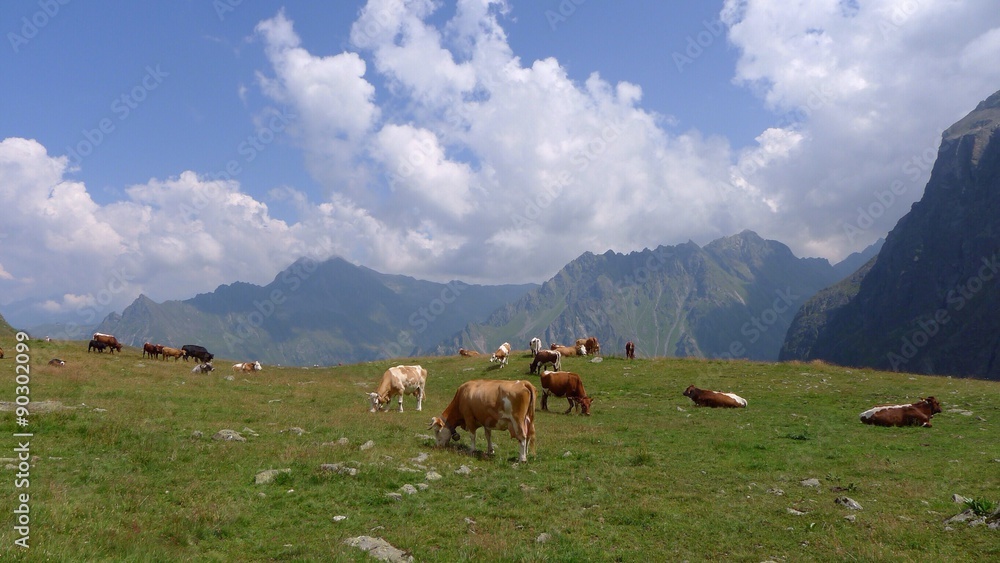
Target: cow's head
{"points": [[441, 431], [933, 403], [257, 366], [376, 401], [689, 391], [585, 405]]}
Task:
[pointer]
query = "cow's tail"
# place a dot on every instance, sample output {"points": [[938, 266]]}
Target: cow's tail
{"points": [[529, 422]]}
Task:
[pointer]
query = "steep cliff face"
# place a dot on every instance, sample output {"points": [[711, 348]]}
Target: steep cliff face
{"points": [[929, 302], [732, 298]]}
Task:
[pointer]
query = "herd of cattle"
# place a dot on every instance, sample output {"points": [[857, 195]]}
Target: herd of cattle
{"points": [[100, 342], [495, 404]]}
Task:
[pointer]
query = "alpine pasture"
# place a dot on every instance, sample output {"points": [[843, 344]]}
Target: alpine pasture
{"points": [[125, 466]]}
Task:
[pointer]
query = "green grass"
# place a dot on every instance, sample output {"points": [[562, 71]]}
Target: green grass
{"points": [[647, 477]]}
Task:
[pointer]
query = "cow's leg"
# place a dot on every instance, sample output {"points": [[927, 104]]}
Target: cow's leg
{"points": [[545, 399], [401, 402], [489, 440], [420, 398], [571, 405], [472, 441]]}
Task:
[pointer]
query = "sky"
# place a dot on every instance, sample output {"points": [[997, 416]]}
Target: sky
{"points": [[167, 148]]}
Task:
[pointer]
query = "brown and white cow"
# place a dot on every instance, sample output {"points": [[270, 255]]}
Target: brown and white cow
{"points": [[565, 384], [578, 350], [630, 350], [108, 339], [535, 345], [398, 381], [248, 367], [706, 398], [490, 404], [544, 357], [590, 345], [175, 353], [467, 353], [914, 414], [501, 354]]}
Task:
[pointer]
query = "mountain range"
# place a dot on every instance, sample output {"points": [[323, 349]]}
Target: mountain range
{"points": [[734, 297], [928, 303]]}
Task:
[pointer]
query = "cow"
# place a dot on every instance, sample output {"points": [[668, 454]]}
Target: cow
{"points": [[580, 350], [197, 352], [57, 362], [535, 345], [1, 353], [202, 368], [174, 353], [108, 339], [467, 353], [501, 354], [706, 398], [248, 366], [630, 350], [96, 345], [400, 380], [593, 346], [152, 350], [490, 404], [543, 357], [915, 414], [565, 384]]}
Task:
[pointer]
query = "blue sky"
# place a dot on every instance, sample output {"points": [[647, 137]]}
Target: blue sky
{"points": [[167, 148]]}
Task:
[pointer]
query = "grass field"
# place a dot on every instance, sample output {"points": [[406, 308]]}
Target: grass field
{"points": [[120, 475]]}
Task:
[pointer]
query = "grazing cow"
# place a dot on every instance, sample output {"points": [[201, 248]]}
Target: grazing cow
{"points": [[580, 350], [399, 381], [56, 362], [174, 353], [152, 350], [489, 404], [915, 414], [706, 398], [630, 350], [535, 345], [543, 357], [108, 339], [96, 345], [501, 354], [197, 352], [467, 353], [202, 368], [565, 384]]}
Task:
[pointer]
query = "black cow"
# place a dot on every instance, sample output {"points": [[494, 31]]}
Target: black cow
{"points": [[96, 345], [199, 352]]}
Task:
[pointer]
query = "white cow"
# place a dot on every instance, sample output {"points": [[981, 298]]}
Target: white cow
{"points": [[501, 354], [399, 380], [536, 345]]}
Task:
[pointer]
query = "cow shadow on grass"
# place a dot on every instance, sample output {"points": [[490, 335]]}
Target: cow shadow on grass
{"points": [[463, 450]]}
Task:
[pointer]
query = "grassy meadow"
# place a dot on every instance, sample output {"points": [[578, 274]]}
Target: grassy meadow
{"points": [[121, 475]]}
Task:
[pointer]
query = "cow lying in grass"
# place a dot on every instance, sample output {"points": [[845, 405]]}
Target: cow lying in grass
{"points": [[706, 398], [915, 414]]}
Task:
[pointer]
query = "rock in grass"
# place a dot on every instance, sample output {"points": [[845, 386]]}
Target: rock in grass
{"points": [[379, 549], [367, 445], [432, 476], [809, 482], [339, 468], [463, 470], [268, 476], [543, 537], [227, 435], [848, 502], [408, 489]]}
